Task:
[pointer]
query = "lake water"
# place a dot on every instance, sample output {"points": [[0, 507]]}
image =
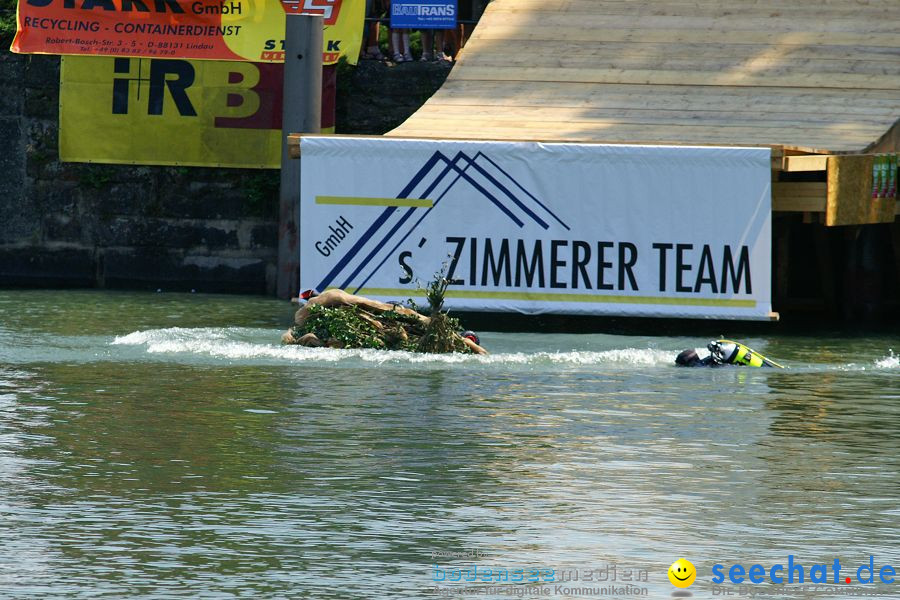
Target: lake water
{"points": [[165, 445]]}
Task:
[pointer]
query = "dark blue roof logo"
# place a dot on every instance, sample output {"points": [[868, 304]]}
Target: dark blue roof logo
{"points": [[435, 179]]}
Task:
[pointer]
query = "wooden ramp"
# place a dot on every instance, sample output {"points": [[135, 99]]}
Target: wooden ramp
{"points": [[816, 77]]}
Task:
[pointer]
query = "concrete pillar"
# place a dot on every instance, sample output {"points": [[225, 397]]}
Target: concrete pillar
{"points": [[302, 114]]}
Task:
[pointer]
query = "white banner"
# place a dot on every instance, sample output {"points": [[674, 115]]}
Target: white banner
{"points": [[541, 228]]}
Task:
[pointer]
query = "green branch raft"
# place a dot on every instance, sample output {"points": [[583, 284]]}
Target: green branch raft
{"points": [[336, 319]]}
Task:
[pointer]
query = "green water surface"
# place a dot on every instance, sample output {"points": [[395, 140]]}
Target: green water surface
{"points": [[164, 445]]}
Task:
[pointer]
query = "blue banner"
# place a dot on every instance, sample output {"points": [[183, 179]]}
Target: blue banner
{"points": [[423, 14]]}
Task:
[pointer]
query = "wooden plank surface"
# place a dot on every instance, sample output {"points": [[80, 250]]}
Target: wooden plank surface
{"points": [[525, 93], [661, 116], [831, 72], [527, 32], [687, 7], [737, 77], [816, 141], [568, 50], [817, 78], [620, 130], [624, 30]]}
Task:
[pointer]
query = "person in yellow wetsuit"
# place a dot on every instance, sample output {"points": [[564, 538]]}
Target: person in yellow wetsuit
{"points": [[725, 352]]}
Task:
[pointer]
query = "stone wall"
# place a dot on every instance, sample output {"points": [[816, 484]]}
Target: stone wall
{"points": [[375, 97], [170, 228]]}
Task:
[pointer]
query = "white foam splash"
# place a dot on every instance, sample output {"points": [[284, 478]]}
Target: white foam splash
{"points": [[891, 361], [220, 343], [156, 336]]}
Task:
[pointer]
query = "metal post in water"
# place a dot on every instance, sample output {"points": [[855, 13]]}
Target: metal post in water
{"points": [[301, 113]]}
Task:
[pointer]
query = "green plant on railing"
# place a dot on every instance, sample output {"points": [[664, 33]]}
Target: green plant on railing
{"points": [[7, 28], [344, 72], [7, 22]]}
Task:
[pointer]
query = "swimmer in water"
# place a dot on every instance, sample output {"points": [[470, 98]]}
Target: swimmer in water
{"points": [[690, 358]]}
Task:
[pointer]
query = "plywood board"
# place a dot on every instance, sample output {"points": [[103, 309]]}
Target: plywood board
{"points": [[850, 199]]}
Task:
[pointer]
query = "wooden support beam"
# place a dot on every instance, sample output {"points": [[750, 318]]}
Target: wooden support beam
{"points": [[293, 141], [799, 189], [811, 162], [812, 197], [805, 197], [793, 204], [799, 197]]}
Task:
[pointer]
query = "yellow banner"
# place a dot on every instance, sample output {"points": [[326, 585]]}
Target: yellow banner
{"points": [[170, 112], [241, 30]]}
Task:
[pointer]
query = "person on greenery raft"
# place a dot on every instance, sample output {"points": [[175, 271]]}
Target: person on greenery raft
{"points": [[337, 319]]}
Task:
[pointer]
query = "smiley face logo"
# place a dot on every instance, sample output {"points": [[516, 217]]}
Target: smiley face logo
{"points": [[682, 573]]}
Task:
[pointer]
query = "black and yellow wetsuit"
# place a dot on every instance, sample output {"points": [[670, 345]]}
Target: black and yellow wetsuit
{"points": [[728, 352]]}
